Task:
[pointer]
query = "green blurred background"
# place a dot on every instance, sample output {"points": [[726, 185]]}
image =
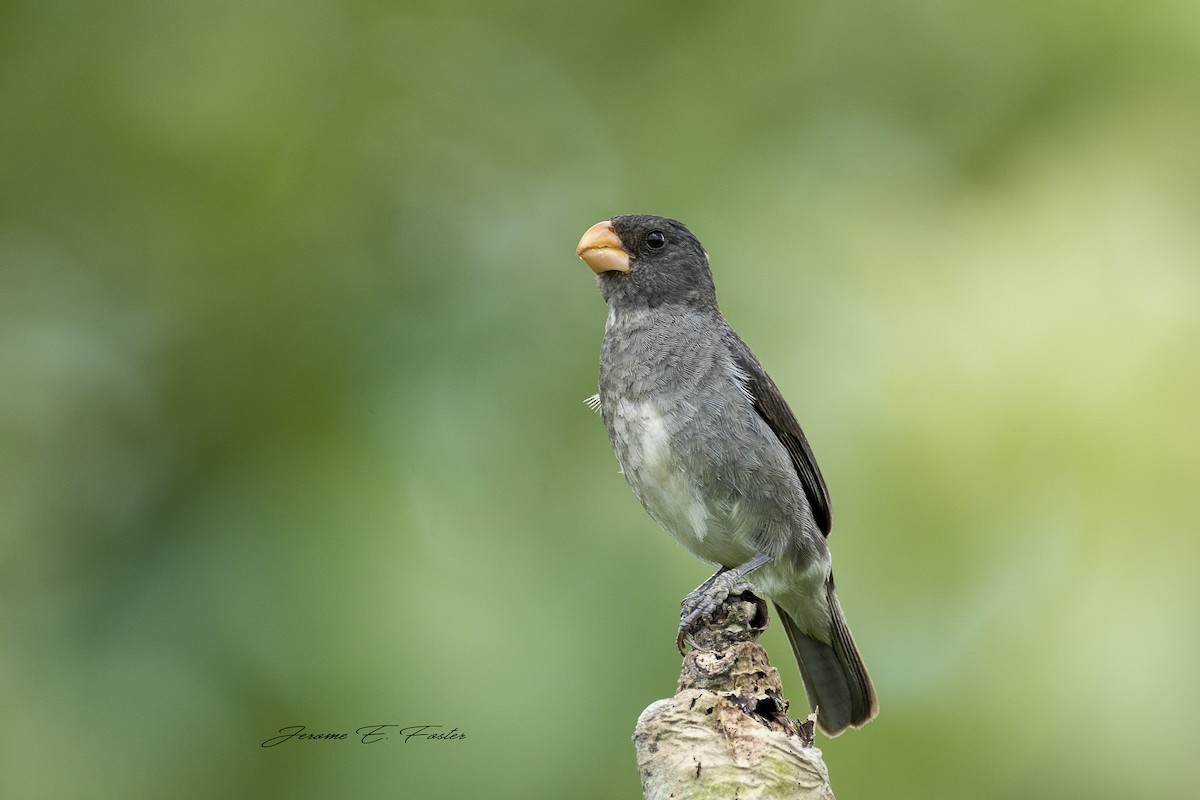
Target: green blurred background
{"points": [[294, 345]]}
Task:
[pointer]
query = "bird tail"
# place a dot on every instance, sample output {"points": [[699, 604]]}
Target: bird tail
{"points": [[835, 678]]}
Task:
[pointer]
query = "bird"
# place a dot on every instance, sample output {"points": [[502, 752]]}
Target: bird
{"points": [[714, 454]]}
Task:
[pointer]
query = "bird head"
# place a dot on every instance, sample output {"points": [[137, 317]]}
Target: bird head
{"points": [[646, 261]]}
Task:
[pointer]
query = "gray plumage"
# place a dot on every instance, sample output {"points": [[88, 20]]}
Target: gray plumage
{"points": [[714, 454]]}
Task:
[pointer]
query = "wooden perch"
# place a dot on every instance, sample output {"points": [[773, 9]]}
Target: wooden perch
{"points": [[726, 732]]}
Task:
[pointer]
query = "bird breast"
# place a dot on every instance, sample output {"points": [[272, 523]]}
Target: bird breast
{"points": [[672, 480]]}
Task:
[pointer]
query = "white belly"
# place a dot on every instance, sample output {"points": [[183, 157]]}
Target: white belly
{"points": [[672, 496]]}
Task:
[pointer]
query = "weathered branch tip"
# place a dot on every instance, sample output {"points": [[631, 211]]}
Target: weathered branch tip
{"points": [[726, 732]]}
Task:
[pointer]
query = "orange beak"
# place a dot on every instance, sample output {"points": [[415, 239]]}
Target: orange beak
{"points": [[601, 249]]}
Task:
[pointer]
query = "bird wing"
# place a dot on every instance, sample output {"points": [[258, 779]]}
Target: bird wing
{"points": [[771, 406]]}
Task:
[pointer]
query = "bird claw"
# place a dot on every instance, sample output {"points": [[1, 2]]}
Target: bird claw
{"points": [[702, 602]]}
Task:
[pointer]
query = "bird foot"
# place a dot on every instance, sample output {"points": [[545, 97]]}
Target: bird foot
{"points": [[703, 601]]}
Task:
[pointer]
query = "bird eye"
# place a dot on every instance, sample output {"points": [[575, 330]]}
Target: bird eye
{"points": [[655, 240]]}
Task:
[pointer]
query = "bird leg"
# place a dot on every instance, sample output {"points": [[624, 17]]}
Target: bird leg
{"points": [[706, 598]]}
